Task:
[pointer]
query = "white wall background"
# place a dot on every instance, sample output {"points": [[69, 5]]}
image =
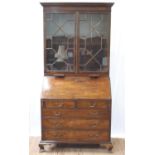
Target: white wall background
{"points": [[117, 72]]}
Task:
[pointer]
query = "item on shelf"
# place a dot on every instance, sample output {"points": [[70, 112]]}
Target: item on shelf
{"points": [[61, 55]]}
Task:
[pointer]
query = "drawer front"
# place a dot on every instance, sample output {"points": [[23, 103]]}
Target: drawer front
{"points": [[83, 113], [75, 135], [49, 123], [58, 104], [93, 104]]}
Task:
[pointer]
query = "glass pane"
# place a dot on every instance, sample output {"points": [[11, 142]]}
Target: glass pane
{"points": [[60, 42], [94, 39]]}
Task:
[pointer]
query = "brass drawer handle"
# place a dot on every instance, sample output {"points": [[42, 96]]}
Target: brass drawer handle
{"points": [[60, 105], [94, 135], [58, 135], [57, 114], [58, 125], [94, 125], [93, 105], [94, 113]]}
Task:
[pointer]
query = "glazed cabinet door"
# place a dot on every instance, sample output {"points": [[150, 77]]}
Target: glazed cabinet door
{"points": [[77, 42], [94, 42], [59, 35]]}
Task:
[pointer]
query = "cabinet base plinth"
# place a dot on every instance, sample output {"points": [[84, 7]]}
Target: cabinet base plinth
{"points": [[52, 145]]}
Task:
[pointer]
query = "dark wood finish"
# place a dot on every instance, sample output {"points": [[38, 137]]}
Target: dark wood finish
{"points": [[94, 104], [76, 8], [104, 104], [71, 123], [76, 88], [72, 7], [89, 74], [58, 104], [65, 4], [97, 136], [84, 113], [41, 146], [63, 113], [59, 75], [76, 105]]}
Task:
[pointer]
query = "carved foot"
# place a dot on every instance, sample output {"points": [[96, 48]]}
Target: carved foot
{"points": [[108, 146], [53, 145], [41, 146]]}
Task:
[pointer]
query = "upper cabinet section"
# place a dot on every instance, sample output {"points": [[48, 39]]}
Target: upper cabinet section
{"points": [[76, 38]]}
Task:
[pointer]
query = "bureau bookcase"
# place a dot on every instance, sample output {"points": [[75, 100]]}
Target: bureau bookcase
{"points": [[76, 97]]}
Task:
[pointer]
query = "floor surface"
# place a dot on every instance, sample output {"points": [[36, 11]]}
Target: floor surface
{"points": [[118, 149]]}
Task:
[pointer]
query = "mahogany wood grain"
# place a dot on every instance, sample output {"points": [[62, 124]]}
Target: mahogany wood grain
{"points": [[72, 7], [93, 104], [76, 135], [58, 104], [76, 88], [89, 124], [69, 113]]}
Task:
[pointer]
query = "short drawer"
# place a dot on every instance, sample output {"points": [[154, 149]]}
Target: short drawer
{"points": [[93, 104], [49, 123], [75, 135], [58, 104], [78, 113]]}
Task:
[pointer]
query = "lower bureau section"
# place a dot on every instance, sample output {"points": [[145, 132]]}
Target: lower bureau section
{"points": [[75, 122], [74, 135]]}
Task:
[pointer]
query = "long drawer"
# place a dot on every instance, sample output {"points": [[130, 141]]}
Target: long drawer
{"points": [[58, 135], [78, 113], [70, 123], [104, 104]]}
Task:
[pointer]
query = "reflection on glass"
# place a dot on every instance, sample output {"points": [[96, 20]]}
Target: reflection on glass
{"points": [[94, 37], [59, 41]]}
